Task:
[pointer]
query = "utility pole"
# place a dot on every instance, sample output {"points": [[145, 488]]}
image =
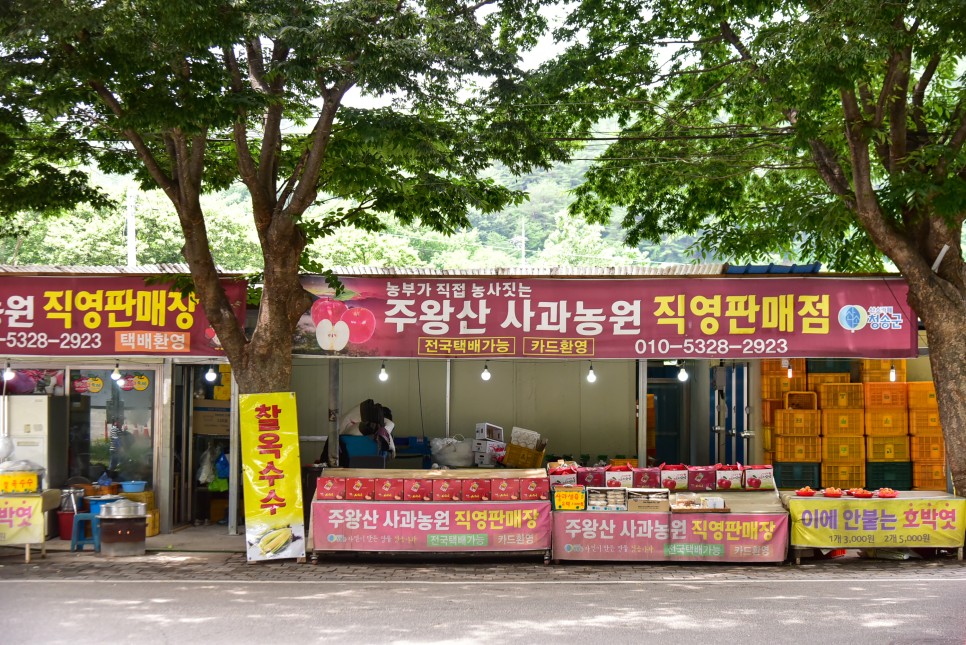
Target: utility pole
{"points": [[522, 239]]}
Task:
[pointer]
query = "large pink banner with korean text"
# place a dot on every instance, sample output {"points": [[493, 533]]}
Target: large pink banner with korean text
{"points": [[669, 537], [673, 318], [430, 526], [106, 316]]}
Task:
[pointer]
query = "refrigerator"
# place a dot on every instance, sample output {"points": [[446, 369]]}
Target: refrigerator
{"points": [[37, 426]]}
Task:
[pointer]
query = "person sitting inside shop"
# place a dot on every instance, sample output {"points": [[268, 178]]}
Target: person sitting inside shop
{"points": [[368, 419]]}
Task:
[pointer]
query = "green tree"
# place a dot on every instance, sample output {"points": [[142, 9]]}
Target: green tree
{"points": [[192, 97], [577, 243], [833, 130]]}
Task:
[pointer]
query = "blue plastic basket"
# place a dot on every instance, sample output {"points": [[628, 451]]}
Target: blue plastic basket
{"points": [[133, 486]]}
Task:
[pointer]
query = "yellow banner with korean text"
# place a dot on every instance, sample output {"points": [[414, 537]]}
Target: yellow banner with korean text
{"points": [[880, 523], [272, 476], [21, 519]]}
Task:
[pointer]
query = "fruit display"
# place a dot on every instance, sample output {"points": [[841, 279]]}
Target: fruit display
{"points": [[886, 493], [805, 492], [397, 485], [832, 492]]}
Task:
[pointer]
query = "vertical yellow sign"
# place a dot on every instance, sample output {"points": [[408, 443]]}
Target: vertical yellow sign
{"points": [[272, 473]]}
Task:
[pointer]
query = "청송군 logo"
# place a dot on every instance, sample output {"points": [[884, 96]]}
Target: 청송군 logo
{"points": [[853, 317]]}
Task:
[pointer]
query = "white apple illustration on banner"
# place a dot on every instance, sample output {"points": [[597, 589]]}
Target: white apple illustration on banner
{"points": [[332, 336]]}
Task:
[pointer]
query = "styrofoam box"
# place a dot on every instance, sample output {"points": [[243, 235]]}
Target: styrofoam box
{"points": [[490, 431]]}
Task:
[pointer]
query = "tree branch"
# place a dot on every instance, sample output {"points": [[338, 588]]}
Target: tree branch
{"points": [[897, 111], [957, 138]]}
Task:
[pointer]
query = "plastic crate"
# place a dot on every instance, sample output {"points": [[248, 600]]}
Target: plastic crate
{"points": [[886, 422], [843, 475], [828, 365], [797, 475], [797, 448], [887, 449], [882, 377], [886, 395], [801, 401], [841, 395], [768, 438], [843, 422], [929, 476], [520, 457], [843, 449], [922, 395], [774, 366], [925, 422], [815, 380], [769, 457], [897, 476], [623, 462], [775, 386], [926, 448], [768, 407], [798, 422]]}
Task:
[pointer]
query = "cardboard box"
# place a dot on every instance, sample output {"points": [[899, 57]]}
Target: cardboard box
{"points": [[759, 477], [568, 479], [602, 498], [504, 490], [211, 417], [647, 477], [360, 488], [447, 490], [526, 438], [591, 476], [490, 446], [729, 478], [648, 500], [476, 490], [484, 459], [418, 490], [674, 480], [489, 431], [221, 392], [531, 489], [389, 489], [619, 478], [330, 488], [701, 478], [569, 498]]}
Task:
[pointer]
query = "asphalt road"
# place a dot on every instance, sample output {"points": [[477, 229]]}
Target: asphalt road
{"points": [[877, 609]]}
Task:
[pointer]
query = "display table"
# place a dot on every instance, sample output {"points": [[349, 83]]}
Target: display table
{"points": [[914, 519], [23, 519], [431, 527], [755, 530]]}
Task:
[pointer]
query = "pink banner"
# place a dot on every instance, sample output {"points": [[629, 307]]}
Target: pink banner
{"points": [[665, 318], [670, 537], [105, 316], [430, 526]]}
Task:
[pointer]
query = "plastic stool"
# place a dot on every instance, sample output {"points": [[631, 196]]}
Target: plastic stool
{"points": [[78, 538]]}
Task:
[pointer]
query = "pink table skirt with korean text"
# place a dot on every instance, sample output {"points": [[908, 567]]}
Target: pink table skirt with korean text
{"points": [[670, 537], [339, 525]]}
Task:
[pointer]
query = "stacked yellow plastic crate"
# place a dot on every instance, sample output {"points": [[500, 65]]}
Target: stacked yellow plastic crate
{"points": [[775, 384], [887, 425], [927, 447], [843, 430]]}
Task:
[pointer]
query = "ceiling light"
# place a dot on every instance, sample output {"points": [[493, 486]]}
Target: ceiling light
{"points": [[383, 374], [682, 374], [892, 372], [591, 377], [485, 375], [211, 376], [116, 374], [8, 373]]}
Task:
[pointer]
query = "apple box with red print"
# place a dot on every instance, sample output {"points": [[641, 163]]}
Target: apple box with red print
{"points": [[619, 478], [728, 477], [360, 488], [759, 477], [418, 490], [504, 490], [701, 478], [389, 489], [674, 477], [591, 476], [476, 490], [330, 488], [447, 490], [646, 477], [537, 488]]}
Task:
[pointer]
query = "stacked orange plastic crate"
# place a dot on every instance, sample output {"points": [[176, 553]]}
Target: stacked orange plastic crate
{"points": [[775, 384], [843, 429], [927, 447]]}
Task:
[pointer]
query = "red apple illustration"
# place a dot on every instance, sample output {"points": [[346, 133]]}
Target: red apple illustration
{"points": [[754, 482], [724, 484], [327, 309], [613, 483], [361, 322], [670, 484]]}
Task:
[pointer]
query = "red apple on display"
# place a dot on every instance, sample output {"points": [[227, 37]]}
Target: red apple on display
{"points": [[670, 484], [361, 322], [724, 483], [754, 482], [613, 483], [327, 309], [332, 337]]}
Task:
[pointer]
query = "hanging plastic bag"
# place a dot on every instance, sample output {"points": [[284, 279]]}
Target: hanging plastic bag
{"points": [[221, 466], [218, 485], [455, 452], [206, 469]]}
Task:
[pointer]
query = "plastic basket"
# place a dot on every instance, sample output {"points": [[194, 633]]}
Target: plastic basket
{"points": [[798, 449], [801, 401], [886, 395], [883, 377], [520, 457], [922, 395], [774, 366], [897, 476], [841, 395], [768, 407], [843, 475], [883, 364], [769, 456], [816, 380], [843, 450], [798, 422], [887, 448], [768, 438], [924, 448], [797, 475], [929, 476], [775, 386], [925, 422], [886, 422], [843, 422]]}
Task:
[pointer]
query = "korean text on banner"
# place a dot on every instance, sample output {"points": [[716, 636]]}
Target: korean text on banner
{"points": [[274, 519], [856, 524], [21, 519]]}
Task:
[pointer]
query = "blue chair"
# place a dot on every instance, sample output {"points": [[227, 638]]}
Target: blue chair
{"points": [[78, 539]]}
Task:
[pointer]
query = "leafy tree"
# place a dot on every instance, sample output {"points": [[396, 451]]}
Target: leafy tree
{"points": [[835, 130], [578, 243], [195, 96]]}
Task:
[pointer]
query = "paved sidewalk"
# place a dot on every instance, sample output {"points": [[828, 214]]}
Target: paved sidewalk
{"points": [[208, 553]]}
